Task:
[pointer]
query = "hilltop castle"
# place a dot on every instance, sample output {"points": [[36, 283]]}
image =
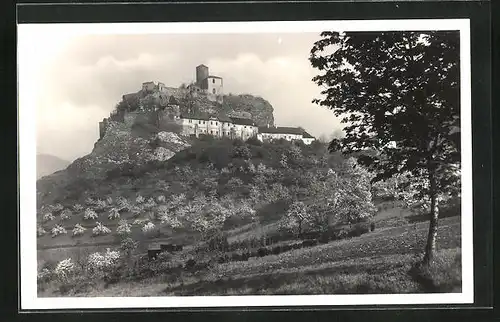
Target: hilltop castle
{"points": [[167, 113], [209, 85]]}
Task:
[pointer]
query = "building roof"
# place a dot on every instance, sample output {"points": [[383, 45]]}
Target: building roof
{"points": [[212, 76], [201, 65], [242, 121], [224, 118], [281, 130], [196, 116], [306, 135]]}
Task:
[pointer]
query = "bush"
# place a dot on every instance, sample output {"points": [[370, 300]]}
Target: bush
{"points": [[372, 226], [218, 242], [114, 214], [90, 214], [123, 228], [58, 230], [100, 230], [64, 270], [78, 230], [77, 207], [241, 151], [48, 217], [66, 214], [254, 141], [359, 229], [40, 231]]}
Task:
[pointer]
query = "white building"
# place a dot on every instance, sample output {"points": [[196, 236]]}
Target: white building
{"points": [[219, 126], [270, 133]]}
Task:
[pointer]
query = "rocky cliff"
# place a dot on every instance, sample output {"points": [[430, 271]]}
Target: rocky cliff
{"points": [[246, 105]]}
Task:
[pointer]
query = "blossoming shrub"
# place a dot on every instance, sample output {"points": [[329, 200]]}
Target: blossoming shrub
{"points": [[58, 230], [100, 205], [77, 207], [78, 230], [104, 265], [139, 199], [149, 204], [122, 203], [100, 230], [114, 214], [64, 270], [66, 214], [48, 217], [90, 214], [149, 229], [57, 207], [44, 275], [109, 200], [40, 231], [161, 199], [123, 228]]}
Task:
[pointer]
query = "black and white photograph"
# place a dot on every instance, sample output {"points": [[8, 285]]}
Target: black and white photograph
{"points": [[245, 164]]}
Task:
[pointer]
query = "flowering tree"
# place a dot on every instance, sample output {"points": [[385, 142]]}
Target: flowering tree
{"points": [[123, 228], [167, 218], [296, 217], [77, 207], [58, 230], [40, 231], [114, 214], [64, 269], [109, 201], [48, 217], [161, 199], [100, 230], [90, 214], [101, 204], [66, 214], [149, 228], [399, 93], [140, 199], [78, 230], [101, 263]]}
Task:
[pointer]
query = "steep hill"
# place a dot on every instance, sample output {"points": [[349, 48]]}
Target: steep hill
{"points": [[47, 164], [120, 145]]}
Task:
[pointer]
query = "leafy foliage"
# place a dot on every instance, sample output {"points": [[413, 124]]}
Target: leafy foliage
{"points": [[399, 95]]}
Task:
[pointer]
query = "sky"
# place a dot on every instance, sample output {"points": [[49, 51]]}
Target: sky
{"points": [[73, 81]]}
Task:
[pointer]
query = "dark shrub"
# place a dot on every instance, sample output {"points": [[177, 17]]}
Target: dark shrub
{"points": [[261, 252], [372, 226], [235, 257], [359, 229], [221, 260], [241, 151], [276, 250], [218, 242], [153, 254], [254, 253], [245, 256], [324, 238], [191, 263], [341, 234], [297, 246], [254, 141], [309, 243]]}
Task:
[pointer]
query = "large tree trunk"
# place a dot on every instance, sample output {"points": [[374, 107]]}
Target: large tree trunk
{"points": [[430, 247]]}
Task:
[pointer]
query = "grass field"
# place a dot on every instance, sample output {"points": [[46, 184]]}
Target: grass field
{"points": [[377, 262]]}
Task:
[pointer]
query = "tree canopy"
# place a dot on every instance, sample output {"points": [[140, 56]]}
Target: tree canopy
{"points": [[397, 93]]}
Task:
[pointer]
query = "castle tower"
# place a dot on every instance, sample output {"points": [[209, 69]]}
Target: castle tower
{"points": [[201, 74]]}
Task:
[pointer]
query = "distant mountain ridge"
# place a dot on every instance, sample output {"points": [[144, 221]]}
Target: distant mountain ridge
{"points": [[47, 164]]}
